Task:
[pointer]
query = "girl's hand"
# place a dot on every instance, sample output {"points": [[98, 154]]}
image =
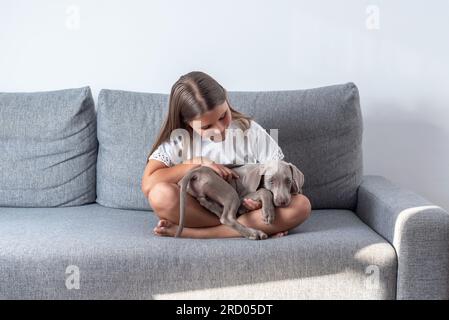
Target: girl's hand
{"points": [[251, 204], [221, 170]]}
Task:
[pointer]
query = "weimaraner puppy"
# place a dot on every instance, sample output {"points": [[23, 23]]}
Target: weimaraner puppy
{"points": [[271, 183]]}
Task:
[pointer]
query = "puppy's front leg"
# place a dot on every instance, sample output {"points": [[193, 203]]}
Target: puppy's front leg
{"points": [[268, 211], [229, 218]]}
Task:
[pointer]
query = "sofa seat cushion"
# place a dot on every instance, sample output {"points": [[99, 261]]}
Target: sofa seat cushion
{"points": [[332, 255]]}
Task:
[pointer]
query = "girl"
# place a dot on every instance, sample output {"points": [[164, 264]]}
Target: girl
{"points": [[199, 105]]}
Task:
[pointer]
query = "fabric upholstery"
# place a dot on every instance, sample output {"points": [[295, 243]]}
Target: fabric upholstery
{"points": [[418, 230], [333, 255], [128, 122], [48, 148]]}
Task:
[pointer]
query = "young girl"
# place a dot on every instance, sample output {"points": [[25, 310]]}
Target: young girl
{"points": [[199, 105]]}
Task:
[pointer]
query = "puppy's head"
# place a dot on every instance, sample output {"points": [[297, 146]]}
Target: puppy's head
{"points": [[283, 179]]}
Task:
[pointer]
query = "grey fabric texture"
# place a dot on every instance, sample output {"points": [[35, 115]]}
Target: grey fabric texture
{"points": [[320, 131], [333, 255], [418, 230], [48, 148], [128, 123]]}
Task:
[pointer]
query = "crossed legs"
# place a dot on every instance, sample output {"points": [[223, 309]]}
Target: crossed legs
{"points": [[201, 223]]}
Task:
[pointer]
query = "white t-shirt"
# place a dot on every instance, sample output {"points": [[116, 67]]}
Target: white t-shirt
{"points": [[255, 145]]}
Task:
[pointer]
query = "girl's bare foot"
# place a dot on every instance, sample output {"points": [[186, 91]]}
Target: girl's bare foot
{"points": [[165, 228], [279, 234]]}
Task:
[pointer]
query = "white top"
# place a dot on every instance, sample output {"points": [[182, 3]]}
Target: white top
{"points": [[253, 146]]}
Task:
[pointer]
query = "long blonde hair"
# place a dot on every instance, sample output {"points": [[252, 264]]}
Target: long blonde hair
{"points": [[192, 95]]}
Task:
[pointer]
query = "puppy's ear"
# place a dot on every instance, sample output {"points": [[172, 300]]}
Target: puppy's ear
{"points": [[252, 178], [298, 179]]}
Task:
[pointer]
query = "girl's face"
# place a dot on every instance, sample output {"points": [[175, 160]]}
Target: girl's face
{"points": [[213, 123]]}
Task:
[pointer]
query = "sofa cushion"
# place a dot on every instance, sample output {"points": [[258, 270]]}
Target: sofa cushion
{"points": [[128, 123], [333, 255], [48, 148], [320, 131]]}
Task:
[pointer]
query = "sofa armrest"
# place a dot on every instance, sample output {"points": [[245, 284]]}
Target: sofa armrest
{"points": [[417, 229]]}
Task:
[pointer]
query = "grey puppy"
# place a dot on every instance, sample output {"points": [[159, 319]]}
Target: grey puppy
{"points": [[271, 183]]}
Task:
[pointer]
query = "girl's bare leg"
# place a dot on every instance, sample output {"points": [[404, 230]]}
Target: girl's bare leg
{"points": [[164, 199]]}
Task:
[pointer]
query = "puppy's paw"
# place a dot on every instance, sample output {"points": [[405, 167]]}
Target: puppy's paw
{"points": [[268, 215], [257, 235]]}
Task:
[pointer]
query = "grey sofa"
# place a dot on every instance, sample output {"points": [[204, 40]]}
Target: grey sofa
{"points": [[74, 223]]}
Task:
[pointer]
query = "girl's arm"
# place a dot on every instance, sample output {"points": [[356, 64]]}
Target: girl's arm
{"points": [[156, 171]]}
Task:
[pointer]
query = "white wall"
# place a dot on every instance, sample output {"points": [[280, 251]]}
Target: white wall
{"points": [[395, 51]]}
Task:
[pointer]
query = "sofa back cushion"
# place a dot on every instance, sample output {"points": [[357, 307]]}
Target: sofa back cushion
{"points": [[128, 123], [48, 148], [320, 131]]}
